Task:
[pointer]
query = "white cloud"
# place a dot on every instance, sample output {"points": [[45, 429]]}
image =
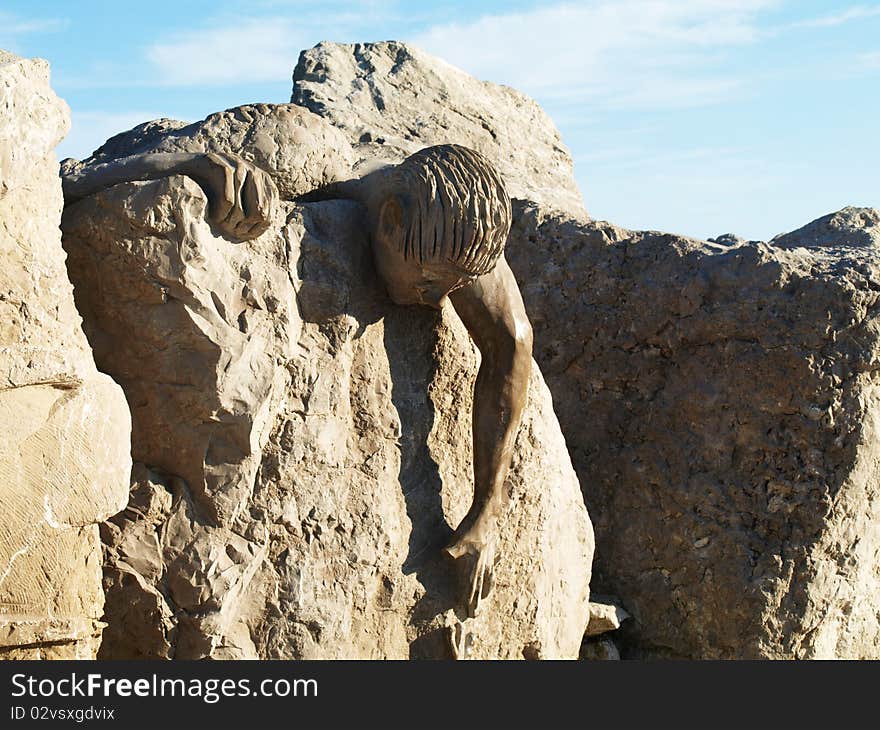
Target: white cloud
{"points": [[856, 12], [635, 53], [89, 130], [12, 26], [257, 50], [870, 60]]}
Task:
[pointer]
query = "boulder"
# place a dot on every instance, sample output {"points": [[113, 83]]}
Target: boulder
{"points": [[606, 614], [391, 99], [847, 228], [721, 406], [303, 447], [64, 427]]}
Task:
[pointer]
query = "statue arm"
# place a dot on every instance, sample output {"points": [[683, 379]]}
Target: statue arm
{"points": [[492, 310], [240, 196]]}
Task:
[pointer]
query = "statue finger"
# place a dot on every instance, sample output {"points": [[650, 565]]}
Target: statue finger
{"points": [[221, 197], [267, 195], [489, 579], [236, 214], [250, 202], [257, 229], [459, 640], [257, 204], [476, 589], [488, 582]]}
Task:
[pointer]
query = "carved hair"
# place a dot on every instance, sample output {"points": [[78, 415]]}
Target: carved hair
{"points": [[455, 208]]}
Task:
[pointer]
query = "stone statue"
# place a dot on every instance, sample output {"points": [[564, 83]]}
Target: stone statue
{"points": [[438, 224]]}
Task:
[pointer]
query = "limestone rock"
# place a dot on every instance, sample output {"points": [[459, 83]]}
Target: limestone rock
{"points": [[64, 427], [606, 614], [392, 99], [721, 405], [299, 149], [730, 239], [304, 447], [849, 227]]}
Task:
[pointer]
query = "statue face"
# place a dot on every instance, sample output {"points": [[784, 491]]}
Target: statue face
{"points": [[409, 282]]}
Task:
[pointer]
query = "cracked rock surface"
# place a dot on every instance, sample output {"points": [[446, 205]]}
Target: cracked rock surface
{"points": [[64, 427], [721, 404]]}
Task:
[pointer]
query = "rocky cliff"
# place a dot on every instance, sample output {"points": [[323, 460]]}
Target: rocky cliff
{"points": [[64, 427]]}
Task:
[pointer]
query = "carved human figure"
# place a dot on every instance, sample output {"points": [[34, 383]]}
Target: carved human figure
{"points": [[438, 225], [439, 222]]}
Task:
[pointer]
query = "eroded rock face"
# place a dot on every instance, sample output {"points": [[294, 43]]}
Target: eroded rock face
{"points": [[304, 447], [721, 407], [392, 99], [847, 228], [64, 427]]}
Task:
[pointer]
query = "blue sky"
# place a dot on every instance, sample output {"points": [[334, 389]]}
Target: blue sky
{"points": [[693, 116]]}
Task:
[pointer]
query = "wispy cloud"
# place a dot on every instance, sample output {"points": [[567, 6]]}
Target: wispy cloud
{"points": [[634, 53], [856, 12], [13, 26], [870, 60], [264, 49]]}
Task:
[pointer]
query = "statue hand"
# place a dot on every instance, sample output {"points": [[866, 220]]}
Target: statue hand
{"points": [[460, 640], [240, 196], [475, 540]]}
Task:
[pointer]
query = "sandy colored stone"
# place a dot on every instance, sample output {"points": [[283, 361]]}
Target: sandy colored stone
{"points": [[391, 99], [304, 448], [64, 427], [298, 149], [721, 407], [39, 326], [606, 614]]}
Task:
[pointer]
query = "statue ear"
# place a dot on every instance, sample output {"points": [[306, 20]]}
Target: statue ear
{"points": [[391, 217]]}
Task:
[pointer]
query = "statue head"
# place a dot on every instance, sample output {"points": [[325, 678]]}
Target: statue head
{"points": [[438, 220]]}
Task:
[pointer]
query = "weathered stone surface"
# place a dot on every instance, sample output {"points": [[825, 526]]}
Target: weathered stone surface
{"points": [[849, 227], [606, 614], [64, 427], [392, 99], [304, 448], [299, 149], [721, 406]]}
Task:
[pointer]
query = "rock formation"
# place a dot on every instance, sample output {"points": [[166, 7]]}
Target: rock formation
{"points": [[64, 427], [391, 99], [721, 407], [847, 228], [302, 444], [718, 400]]}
